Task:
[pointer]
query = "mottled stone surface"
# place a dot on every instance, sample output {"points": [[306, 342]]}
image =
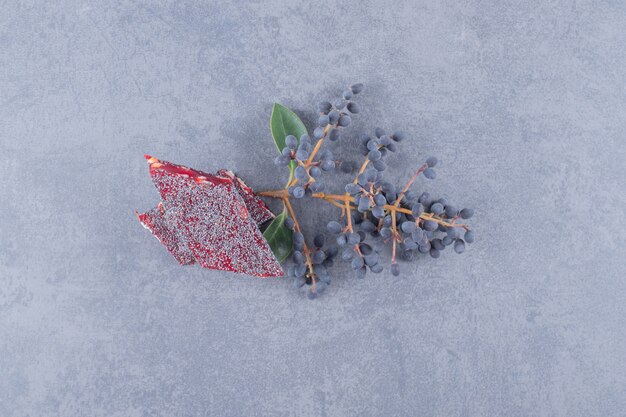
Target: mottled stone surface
{"points": [[523, 102]]}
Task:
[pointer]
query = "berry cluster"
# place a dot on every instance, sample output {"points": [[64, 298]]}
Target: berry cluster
{"points": [[333, 117], [374, 212]]}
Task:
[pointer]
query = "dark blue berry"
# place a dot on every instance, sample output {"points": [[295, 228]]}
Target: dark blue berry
{"points": [[380, 200], [361, 272], [315, 172], [298, 192], [339, 103], [371, 259], [347, 254], [354, 238], [357, 262], [437, 208], [334, 227], [372, 144], [353, 107], [331, 251], [364, 205], [424, 198], [324, 107], [398, 136], [430, 173], [378, 212], [431, 161], [379, 165], [365, 248], [318, 257], [453, 232], [291, 141], [356, 88], [318, 133], [417, 209], [327, 165], [459, 246], [305, 140], [430, 225], [409, 244], [367, 226], [302, 154], [385, 233], [316, 187], [301, 174], [298, 258], [437, 244], [417, 235], [451, 211], [374, 155], [467, 213], [408, 227]]}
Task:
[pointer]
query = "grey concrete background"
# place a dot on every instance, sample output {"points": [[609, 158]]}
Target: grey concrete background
{"points": [[524, 103]]}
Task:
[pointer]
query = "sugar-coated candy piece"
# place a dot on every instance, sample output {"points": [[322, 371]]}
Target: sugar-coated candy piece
{"points": [[213, 220]]}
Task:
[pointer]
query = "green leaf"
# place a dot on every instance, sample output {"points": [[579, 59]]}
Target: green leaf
{"points": [[279, 237], [284, 122]]}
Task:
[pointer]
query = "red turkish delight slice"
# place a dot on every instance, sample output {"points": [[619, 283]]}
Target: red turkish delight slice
{"points": [[213, 219], [156, 221], [257, 208]]}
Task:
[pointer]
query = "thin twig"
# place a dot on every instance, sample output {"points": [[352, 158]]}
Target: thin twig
{"points": [[299, 230], [408, 185]]}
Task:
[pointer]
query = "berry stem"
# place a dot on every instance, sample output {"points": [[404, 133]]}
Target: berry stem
{"points": [[282, 194], [361, 170], [306, 248], [394, 237], [347, 199], [340, 197], [334, 203], [348, 213], [290, 179], [314, 152], [318, 145], [408, 185]]}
